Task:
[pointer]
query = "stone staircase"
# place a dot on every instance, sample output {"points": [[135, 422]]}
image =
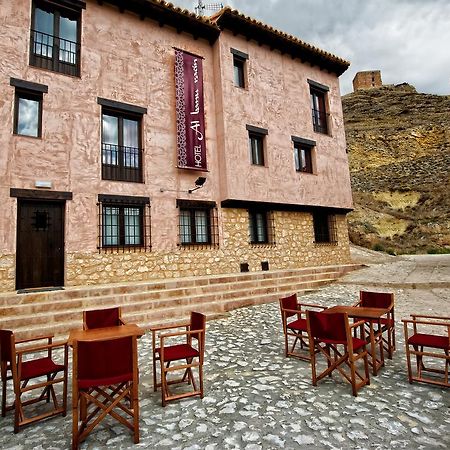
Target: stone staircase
{"points": [[158, 301]]}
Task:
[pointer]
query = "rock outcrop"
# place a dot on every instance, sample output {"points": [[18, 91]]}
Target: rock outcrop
{"points": [[398, 143]]}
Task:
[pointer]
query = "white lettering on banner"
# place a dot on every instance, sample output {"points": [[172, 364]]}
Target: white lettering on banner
{"points": [[198, 155], [196, 102], [195, 70], [195, 125]]}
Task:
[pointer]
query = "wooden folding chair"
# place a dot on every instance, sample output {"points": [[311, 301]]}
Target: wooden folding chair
{"points": [[29, 374], [330, 335], [105, 375], [432, 343], [385, 326], [185, 353], [293, 317], [101, 318]]}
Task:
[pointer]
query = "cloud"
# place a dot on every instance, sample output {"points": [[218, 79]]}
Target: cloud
{"points": [[406, 39]]}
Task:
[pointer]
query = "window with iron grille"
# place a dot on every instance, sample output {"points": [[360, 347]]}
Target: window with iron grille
{"points": [[121, 146], [318, 94], [197, 224], [325, 231], [55, 35], [124, 223], [261, 227]]}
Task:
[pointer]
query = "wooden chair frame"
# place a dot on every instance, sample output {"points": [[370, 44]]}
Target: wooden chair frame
{"points": [[338, 354], [195, 362], [384, 327], [86, 313], [295, 331], [423, 347], [103, 400], [12, 370]]}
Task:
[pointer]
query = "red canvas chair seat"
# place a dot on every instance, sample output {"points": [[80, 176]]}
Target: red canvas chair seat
{"points": [[27, 376], [330, 336], [295, 329], [429, 342], [385, 326], [105, 382], [190, 355], [38, 368], [179, 351]]}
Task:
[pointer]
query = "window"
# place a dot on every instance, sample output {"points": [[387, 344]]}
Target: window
{"points": [[123, 222], [318, 93], [55, 35], [239, 59], [303, 154], [197, 223], [261, 227], [28, 107], [256, 139], [324, 228], [121, 142]]}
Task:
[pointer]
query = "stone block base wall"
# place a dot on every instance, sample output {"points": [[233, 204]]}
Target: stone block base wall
{"points": [[294, 248]]}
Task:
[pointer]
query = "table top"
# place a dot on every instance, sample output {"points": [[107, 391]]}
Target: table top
{"points": [[360, 312], [99, 334]]}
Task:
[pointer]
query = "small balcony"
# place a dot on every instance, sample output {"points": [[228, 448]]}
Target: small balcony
{"points": [[320, 121], [54, 53], [120, 163]]}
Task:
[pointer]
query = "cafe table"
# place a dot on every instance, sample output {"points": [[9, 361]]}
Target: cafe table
{"points": [[100, 334], [371, 316]]}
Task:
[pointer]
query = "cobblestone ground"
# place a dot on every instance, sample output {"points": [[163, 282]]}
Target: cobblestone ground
{"points": [[255, 398]]}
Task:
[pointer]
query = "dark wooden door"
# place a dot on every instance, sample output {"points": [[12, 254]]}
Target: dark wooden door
{"points": [[40, 244]]}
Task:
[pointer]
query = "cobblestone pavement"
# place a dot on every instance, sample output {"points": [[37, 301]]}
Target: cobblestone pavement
{"points": [[255, 398]]}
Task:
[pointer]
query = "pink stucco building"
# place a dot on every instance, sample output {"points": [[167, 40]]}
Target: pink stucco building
{"points": [[91, 183]]}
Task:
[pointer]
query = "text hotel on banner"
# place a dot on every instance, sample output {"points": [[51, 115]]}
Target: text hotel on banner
{"points": [[190, 111]]}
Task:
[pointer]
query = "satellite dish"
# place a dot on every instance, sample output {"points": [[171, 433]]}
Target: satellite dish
{"points": [[201, 7]]}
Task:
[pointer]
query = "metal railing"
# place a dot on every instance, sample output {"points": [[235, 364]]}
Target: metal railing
{"points": [[121, 163], [54, 53], [320, 121]]}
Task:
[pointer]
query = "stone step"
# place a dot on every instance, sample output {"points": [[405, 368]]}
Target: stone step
{"points": [[127, 298], [41, 314], [163, 285], [156, 302]]}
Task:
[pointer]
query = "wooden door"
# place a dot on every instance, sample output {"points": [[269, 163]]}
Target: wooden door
{"points": [[40, 244]]}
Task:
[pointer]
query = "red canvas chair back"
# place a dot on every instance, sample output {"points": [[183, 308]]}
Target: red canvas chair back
{"points": [[101, 318], [102, 363], [328, 327], [5, 346], [198, 322], [289, 302], [376, 299], [105, 382]]}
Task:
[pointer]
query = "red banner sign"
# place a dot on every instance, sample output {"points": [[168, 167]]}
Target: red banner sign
{"points": [[191, 139]]}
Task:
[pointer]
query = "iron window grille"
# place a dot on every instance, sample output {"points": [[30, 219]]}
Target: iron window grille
{"points": [[325, 230], [124, 224], [261, 227], [122, 153], [197, 224], [55, 37], [319, 113]]}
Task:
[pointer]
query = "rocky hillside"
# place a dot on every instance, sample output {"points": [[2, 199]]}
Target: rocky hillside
{"points": [[399, 152]]}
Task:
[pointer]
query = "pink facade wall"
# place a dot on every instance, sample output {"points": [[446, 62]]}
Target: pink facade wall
{"points": [[277, 98], [130, 60]]}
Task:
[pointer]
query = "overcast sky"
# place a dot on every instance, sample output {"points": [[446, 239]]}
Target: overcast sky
{"points": [[408, 40]]}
